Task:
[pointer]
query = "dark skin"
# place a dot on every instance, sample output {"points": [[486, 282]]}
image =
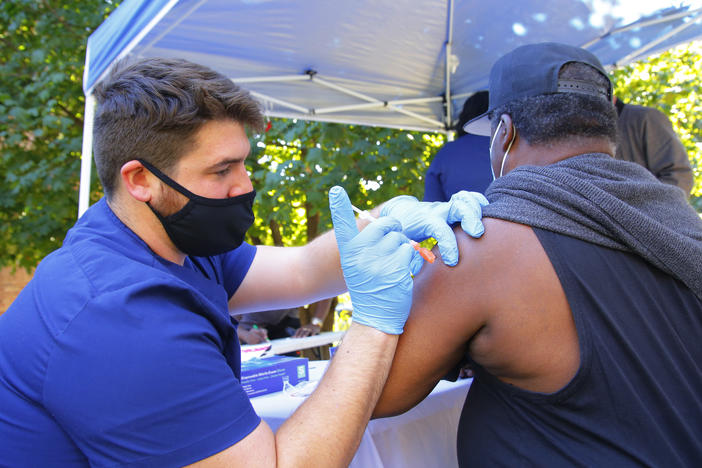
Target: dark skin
{"points": [[503, 302]]}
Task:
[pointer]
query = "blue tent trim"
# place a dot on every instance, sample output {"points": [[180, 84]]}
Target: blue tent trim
{"points": [[117, 34]]}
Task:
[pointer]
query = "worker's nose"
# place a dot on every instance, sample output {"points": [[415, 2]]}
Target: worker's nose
{"points": [[242, 185]]}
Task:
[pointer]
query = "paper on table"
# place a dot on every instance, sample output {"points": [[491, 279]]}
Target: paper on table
{"points": [[302, 389], [254, 351]]}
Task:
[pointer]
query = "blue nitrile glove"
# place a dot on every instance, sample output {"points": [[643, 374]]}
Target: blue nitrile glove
{"points": [[376, 265], [421, 220]]}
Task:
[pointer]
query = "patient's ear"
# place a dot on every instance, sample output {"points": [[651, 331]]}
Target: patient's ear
{"points": [[138, 181], [505, 134]]}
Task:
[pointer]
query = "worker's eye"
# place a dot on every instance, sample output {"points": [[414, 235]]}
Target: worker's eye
{"points": [[224, 171]]}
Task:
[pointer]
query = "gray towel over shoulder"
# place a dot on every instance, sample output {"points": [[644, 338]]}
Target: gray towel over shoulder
{"points": [[616, 204]]}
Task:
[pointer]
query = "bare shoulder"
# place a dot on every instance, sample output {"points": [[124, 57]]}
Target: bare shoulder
{"points": [[528, 337], [503, 255], [482, 306], [450, 305]]}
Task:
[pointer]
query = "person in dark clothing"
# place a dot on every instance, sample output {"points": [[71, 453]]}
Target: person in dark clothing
{"points": [[580, 308], [272, 324], [256, 327], [646, 137], [462, 164]]}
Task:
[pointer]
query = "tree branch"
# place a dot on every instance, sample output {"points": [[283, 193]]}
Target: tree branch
{"points": [[70, 114], [275, 232]]}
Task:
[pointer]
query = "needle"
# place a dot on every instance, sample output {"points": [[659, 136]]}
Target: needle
{"points": [[423, 251]]}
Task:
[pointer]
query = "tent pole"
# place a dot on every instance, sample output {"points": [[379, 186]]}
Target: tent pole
{"points": [[274, 79], [625, 60], [86, 156], [437, 128], [289, 105], [376, 104], [642, 24], [449, 41], [355, 94]]}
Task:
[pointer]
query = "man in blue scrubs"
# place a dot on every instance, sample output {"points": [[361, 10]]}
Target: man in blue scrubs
{"points": [[121, 350]]}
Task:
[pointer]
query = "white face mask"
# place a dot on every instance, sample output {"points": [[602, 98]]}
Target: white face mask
{"points": [[504, 158]]}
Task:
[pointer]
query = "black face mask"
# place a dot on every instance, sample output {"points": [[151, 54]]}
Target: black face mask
{"points": [[206, 226]]}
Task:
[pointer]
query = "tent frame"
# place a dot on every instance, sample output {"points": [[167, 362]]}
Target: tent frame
{"points": [[329, 114]]}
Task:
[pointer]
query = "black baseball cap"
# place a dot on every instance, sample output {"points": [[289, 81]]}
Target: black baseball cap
{"points": [[532, 70]]}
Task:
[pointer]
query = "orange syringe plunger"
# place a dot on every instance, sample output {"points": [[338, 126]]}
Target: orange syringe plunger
{"points": [[426, 254]]}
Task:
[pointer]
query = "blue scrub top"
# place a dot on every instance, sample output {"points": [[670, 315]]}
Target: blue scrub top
{"points": [[113, 355], [463, 164]]}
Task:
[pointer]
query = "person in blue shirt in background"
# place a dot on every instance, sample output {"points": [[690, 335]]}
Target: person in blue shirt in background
{"points": [[121, 350], [462, 164]]}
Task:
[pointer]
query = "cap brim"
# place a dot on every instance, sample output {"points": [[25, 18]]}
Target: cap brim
{"points": [[478, 126]]}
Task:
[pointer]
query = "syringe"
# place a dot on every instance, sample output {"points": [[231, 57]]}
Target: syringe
{"points": [[426, 254]]}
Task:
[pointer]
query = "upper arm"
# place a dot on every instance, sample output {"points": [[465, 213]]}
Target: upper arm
{"points": [[270, 276], [283, 277], [440, 325]]}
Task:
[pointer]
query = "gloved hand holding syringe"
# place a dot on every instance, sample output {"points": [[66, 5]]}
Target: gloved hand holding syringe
{"points": [[378, 263], [423, 251], [422, 220]]}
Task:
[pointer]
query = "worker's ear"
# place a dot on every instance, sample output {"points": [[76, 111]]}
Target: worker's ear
{"points": [[138, 181]]}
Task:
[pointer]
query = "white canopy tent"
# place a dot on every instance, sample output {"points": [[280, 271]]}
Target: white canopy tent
{"points": [[406, 64]]}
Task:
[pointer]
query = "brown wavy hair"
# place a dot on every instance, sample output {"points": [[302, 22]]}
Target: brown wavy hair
{"points": [[153, 108]]}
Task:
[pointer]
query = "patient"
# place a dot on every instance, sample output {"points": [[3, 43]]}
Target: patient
{"points": [[579, 308]]}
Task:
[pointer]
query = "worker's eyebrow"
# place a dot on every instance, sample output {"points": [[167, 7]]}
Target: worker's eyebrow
{"points": [[226, 162]]}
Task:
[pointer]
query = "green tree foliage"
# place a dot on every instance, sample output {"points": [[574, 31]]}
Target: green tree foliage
{"points": [[41, 124], [42, 51], [671, 82], [295, 163]]}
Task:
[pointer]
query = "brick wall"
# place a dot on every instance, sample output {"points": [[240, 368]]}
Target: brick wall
{"points": [[11, 284]]}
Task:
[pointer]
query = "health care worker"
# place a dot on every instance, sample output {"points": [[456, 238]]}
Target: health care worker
{"points": [[121, 350]]}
